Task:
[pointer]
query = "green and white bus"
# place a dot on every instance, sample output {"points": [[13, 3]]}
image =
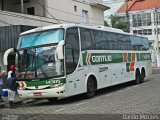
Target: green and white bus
{"points": [[63, 60]]}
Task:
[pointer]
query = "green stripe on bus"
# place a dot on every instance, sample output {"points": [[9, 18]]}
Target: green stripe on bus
{"points": [[138, 56], [102, 58], [45, 82], [84, 58], [129, 57], [106, 58], [145, 56]]}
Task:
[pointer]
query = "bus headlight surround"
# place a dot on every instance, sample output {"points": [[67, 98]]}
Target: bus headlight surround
{"points": [[56, 85]]}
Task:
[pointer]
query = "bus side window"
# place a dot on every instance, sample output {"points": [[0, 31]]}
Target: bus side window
{"points": [[71, 49], [86, 39]]}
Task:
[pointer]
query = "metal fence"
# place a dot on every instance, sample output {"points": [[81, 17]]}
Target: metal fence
{"points": [[9, 35]]}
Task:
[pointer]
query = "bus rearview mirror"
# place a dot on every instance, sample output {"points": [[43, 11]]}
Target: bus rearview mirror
{"points": [[59, 50], [6, 54]]}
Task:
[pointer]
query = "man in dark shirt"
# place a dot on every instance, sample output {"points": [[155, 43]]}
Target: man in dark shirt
{"points": [[11, 90]]}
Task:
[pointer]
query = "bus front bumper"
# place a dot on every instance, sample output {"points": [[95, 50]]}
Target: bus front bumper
{"points": [[59, 92]]}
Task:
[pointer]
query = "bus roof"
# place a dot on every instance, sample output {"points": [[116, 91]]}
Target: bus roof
{"points": [[65, 26]]}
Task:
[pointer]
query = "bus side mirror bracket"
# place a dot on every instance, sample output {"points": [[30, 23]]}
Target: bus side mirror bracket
{"points": [[5, 57], [59, 50]]}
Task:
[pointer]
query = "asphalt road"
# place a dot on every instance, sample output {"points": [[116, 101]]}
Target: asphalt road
{"points": [[122, 101]]}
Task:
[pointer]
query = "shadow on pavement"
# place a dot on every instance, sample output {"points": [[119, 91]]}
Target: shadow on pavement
{"points": [[78, 98]]}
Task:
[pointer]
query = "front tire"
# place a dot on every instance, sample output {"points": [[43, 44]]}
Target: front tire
{"points": [[90, 88]]}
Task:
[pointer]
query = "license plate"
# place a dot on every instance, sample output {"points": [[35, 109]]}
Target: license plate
{"points": [[37, 94]]}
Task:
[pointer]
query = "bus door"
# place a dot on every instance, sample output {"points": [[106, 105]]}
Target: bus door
{"points": [[72, 53]]}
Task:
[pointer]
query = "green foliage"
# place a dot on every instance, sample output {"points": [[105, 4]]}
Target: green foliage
{"points": [[116, 22], [106, 23]]}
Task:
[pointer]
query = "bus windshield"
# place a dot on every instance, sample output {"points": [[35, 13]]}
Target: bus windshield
{"points": [[37, 57], [39, 63]]}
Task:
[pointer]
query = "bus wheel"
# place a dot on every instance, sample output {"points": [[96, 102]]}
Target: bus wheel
{"points": [[137, 77], [143, 75], [90, 88]]}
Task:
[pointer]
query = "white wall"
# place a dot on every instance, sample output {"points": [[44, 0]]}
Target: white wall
{"points": [[63, 10], [38, 8], [15, 6], [10, 18]]}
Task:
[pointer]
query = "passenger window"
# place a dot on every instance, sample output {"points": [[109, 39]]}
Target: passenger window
{"points": [[86, 40]]}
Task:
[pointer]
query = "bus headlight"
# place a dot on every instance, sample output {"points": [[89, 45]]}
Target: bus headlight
{"points": [[56, 85]]}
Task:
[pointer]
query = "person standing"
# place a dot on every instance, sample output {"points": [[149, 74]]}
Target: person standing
{"points": [[1, 87], [12, 90], [12, 70], [3, 83]]}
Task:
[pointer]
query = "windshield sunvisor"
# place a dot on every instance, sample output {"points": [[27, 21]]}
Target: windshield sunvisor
{"points": [[41, 38]]}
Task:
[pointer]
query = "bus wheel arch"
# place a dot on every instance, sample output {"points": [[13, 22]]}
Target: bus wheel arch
{"points": [[137, 76], [91, 86], [143, 74]]}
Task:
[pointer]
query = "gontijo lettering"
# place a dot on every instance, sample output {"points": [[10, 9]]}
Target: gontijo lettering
{"points": [[102, 58]]}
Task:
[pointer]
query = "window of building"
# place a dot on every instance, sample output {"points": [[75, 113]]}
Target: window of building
{"points": [[158, 31], [141, 19], [143, 32], [75, 8], [31, 11], [135, 31], [84, 16], [140, 32], [149, 32], [158, 18]]}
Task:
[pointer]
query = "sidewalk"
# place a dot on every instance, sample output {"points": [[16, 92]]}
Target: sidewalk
{"points": [[18, 100], [154, 66]]}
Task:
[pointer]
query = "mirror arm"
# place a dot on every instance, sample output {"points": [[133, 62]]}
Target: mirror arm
{"points": [[5, 57]]}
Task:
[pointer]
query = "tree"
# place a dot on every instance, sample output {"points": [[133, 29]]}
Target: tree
{"points": [[106, 23], [116, 22]]}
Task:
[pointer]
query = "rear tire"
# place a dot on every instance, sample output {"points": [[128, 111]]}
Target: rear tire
{"points": [[137, 77], [90, 88], [143, 75]]}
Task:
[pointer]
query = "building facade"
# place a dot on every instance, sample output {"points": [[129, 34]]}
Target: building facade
{"points": [[46, 12], [36, 13], [143, 15]]}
